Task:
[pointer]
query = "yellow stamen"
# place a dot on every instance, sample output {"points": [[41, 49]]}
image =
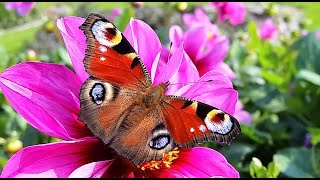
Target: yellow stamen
{"points": [[210, 35], [166, 161]]}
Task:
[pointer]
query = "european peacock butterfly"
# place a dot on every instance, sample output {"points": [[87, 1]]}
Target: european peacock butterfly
{"points": [[120, 106]]}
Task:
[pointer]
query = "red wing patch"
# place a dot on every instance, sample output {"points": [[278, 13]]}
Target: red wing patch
{"points": [[191, 122]]}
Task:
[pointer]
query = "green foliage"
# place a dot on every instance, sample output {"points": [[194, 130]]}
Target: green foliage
{"points": [[295, 162], [257, 170]]}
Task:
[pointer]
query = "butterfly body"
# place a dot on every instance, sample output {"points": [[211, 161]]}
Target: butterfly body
{"points": [[120, 105]]}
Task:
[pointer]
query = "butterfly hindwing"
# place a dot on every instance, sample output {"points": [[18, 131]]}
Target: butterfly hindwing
{"points": [[109, 55], [191, 122], [101, 109]]}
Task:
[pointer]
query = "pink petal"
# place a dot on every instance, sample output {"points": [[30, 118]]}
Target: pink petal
{"points": [[144, 40], [189, 19], [11, 5], [216, 50], [75, 42], [194, 39], [201, 15], [58, 159], [178, 70], [198, 18], [175, 36], [268, 30], [236, 12], [25, 8], [198, 162], [225, 69], [242, 115], [46, 95], [218, 92], [187, 74], [91, 170]]}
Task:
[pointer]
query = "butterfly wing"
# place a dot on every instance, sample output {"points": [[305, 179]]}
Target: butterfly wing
{"points": [[191, 122], [109, 98], [109, 55]]}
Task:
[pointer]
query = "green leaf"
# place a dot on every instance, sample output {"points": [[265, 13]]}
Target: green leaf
{"points": [[256, 135], [273, 170], [315, 135], [308, 52], [309, 76], [273, 78], [4, 59], [295, 162], [236, 153], [256, 169], [255, 41]]}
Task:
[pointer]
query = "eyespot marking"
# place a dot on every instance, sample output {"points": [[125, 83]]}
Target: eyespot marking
{"points": [[98, 93], [159, 142]]}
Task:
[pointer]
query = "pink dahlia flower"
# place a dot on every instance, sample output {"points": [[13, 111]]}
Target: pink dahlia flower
{"points": [[205, 46], [198, 18], [22, 8], [235, 12], [268, 30], [46, 95]]}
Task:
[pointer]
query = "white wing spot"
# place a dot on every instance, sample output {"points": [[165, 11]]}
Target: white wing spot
{"points": [[102, 58], [202, 128], [98, 30], [102, 49], [191, 130]]}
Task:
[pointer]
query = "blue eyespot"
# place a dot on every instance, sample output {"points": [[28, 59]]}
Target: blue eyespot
{"points": [[98, 93], [159, 142]]}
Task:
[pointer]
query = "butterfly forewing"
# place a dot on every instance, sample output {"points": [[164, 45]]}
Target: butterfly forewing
{"points": [[191, 122], [109, 55]]}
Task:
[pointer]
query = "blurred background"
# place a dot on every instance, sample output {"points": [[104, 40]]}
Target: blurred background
{"points": [[274, 54]]}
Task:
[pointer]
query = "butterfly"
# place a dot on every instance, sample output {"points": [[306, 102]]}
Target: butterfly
{"points": [[120, 106]]}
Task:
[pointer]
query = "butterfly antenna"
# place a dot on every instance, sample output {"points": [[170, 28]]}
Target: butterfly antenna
{"points": [[190, 82]]}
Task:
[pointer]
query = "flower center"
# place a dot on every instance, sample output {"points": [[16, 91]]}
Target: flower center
{"points": [[210, 35], [166, 161]]}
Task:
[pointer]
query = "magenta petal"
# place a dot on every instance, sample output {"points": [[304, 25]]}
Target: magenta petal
{"points": [[225, 69], [46, 95], [178, 70], [91, 170], [201, 15], [194, 40], [187, 74], [175, 36], [242, 115], [10, 5], [75, 42], [218, 92], [144, 40], [198, 162], [25, 8], [189, 19], [53, 160]]}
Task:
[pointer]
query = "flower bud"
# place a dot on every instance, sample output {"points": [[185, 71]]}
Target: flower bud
{"points": [[49, 27], [12, 146], [137, 4], [182, 6], [31, 55]]}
